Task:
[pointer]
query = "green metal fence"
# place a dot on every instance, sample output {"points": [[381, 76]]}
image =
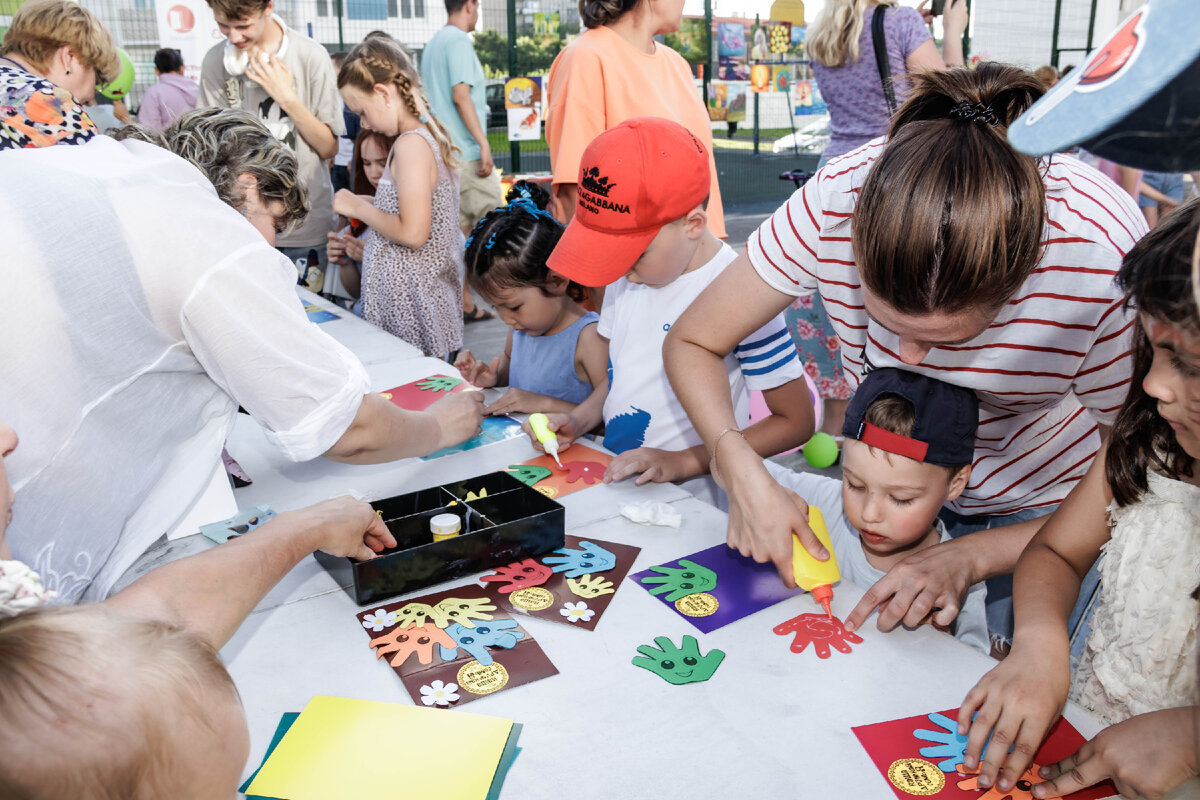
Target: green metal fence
{"points": [[515, 38]]}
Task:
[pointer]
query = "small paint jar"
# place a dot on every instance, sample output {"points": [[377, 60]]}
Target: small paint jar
{"points": [[445, 526]]}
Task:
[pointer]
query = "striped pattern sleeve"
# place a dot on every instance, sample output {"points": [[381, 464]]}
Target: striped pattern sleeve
{"points": [[768, 357]]}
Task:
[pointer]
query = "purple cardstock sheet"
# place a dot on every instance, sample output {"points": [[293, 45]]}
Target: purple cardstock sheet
{"points": [[743, 587]]}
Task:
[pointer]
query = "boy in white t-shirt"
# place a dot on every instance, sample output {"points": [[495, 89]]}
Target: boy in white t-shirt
{"points": [[910, 441], [640, 228]]}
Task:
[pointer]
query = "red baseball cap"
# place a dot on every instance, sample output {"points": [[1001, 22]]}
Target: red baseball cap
{"points": [[635, 178]]}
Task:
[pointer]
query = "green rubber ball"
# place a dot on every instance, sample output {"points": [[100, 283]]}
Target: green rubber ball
{"points": [[821, 450], [119, 86]]}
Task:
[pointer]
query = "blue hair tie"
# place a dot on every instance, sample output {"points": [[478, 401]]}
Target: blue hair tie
{"points": [[490, 242], [526, 204]]}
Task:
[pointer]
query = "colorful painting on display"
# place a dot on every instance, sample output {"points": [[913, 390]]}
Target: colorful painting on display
{"points": [[693, 40], [781, 78], [731, 40], [732, 68], [739, 94], [718, 101], [760, 78], [799, 33], [523, 104]]}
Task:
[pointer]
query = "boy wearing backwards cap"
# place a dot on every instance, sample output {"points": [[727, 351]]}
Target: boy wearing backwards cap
{"points": [[910, 441], [640, 228]]}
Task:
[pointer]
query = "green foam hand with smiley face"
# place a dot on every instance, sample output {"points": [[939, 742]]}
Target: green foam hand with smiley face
{"points": [[678, 665]]}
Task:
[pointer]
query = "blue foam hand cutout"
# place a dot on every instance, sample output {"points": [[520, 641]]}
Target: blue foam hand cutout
{"points": [[590, 560], [948, 744], [476, 641]]}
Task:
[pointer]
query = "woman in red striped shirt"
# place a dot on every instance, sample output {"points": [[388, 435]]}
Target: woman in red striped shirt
{"points": [[941, 250]]}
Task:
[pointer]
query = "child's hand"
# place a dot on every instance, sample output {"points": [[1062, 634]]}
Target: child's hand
{"points": [[476, 372], [1015, 704], [516, 401], [1145, 756], [651, 464], [566, 430], [335, 248], [347, 527], [459, 417], [354, 248], [347, 203]]}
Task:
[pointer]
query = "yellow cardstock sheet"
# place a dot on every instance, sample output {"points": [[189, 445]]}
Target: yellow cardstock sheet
{"points": [[344, 748]]}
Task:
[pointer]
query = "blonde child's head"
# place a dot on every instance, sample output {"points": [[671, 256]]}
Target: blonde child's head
{"points": [[506, 261], [1158, 427], [96, 705], [379, 83], [640, 206], [910, 441]]}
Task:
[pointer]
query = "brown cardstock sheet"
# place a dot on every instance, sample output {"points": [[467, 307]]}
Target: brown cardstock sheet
{"points": [[549, 599], [524, 663]]}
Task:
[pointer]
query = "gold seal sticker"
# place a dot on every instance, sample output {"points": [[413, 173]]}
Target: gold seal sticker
{"points": [[549, 491], [478, 679], [915, 776], [700, 604], [535, 598]]}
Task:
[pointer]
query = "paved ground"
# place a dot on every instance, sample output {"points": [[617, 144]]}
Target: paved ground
{"points": [[486, 340]]}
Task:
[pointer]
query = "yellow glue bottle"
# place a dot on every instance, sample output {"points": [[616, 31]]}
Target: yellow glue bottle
{"points": [[812, 575], [541, 429]]}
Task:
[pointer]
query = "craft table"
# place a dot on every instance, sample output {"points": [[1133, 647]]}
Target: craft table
{"points": [[770, 723]]}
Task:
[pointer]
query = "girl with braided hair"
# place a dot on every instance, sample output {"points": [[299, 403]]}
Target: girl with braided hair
{"points": [[555, 358], [412, 288]]}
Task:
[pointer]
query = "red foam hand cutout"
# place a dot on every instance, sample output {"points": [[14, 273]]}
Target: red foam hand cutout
{"points": [[819, 630], [590, 471], [520, 574]]}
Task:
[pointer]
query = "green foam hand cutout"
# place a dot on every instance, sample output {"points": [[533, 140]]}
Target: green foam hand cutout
{"points": [[529, 474], [438, 383], [681, 581], [678, 665]]}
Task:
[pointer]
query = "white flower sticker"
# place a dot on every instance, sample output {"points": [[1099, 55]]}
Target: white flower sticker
{"points": [[378, 620], [577, 612], [438, 693]]}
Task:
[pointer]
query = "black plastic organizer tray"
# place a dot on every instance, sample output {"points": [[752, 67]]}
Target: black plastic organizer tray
{"points": [[512, 522]]}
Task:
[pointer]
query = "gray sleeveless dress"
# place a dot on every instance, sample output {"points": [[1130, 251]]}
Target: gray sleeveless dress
{"points": [[416, 295]]}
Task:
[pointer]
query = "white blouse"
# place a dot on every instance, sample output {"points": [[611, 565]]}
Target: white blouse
{"points": [[139, 312], [1142, 653]]}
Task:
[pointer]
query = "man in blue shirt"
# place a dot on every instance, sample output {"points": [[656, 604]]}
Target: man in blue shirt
{"points": [[455, 85]]}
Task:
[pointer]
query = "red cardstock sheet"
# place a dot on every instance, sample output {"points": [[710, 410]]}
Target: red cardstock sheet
{"points": [[530, 587], [582, 466], [896, 752], [414, 631], [420, 395]]}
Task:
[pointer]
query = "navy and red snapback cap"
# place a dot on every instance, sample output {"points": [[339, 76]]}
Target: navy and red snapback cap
{"points": [[947, 417]]}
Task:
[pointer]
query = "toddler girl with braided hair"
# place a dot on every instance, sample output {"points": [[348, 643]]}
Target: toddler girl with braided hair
{"points": [[411, 258], [554, 359]]}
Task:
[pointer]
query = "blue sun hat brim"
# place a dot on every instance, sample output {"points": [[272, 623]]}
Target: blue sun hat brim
{"points": [[1135, 100]]}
